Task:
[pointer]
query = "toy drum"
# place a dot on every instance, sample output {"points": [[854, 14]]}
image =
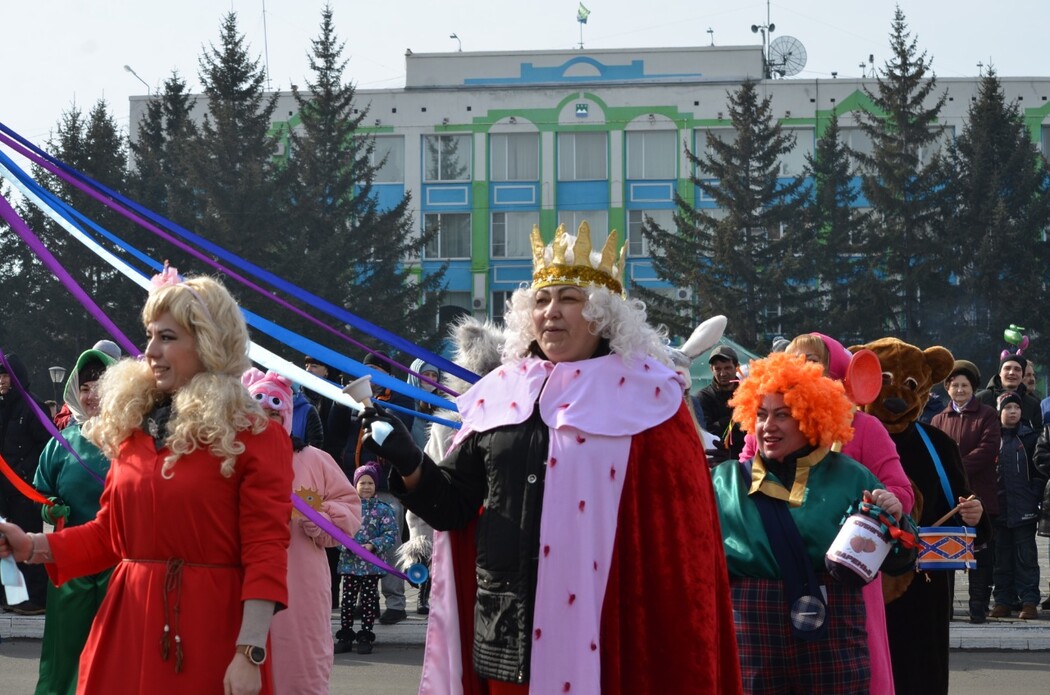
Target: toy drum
{"points": [[859, 549], [945, 548]]}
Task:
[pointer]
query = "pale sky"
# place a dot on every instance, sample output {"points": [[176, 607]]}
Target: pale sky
{"points": [[56, 53]]}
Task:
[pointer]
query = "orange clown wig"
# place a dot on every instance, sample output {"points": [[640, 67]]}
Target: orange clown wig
{"points": [[818, 404]]}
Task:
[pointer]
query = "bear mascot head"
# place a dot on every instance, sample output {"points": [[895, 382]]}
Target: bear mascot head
{"points": [[908, 374]]}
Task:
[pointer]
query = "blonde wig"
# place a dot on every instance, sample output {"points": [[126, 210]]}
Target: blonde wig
{"points": [[809, 344], [620, 321], [819, 404], [213, 407]]}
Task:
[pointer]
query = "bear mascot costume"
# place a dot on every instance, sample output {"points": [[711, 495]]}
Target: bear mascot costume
{"points": [[917, 621]]}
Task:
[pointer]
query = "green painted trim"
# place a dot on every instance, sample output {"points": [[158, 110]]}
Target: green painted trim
{"points": [[1033, 119], [618, 221], [479, 228], [548, 223]]}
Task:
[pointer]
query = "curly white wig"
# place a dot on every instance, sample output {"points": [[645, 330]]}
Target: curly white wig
{"points": [[620, 321]]}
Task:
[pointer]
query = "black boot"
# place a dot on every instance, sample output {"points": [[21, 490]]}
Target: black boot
{"points": [[344, 640], [978, 612], [364, 641], [423, 602]]}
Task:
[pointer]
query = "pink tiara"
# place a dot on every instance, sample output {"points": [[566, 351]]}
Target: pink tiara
{"points": [[169, 277]]}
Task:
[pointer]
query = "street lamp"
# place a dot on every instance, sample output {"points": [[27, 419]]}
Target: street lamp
{"points": [[128, 69], [58, 375], [453, 36]]}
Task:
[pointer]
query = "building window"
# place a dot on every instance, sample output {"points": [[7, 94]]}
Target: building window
{"points": [[858, 141], [452, 239], [637, 245], [943, 135], [454, 306], [510, 234], [446, 158], [772, 315], [794, 162], [651, 154], [389, 155], [705, 136], [582, 156], [515, 157], [498, 307], [597, 220]]}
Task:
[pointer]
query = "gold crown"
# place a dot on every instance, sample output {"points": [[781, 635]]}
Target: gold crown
{"points": [[556, 268]]}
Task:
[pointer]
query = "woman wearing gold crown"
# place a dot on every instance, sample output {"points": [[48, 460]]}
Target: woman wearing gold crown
{"points": [[584, 553]]}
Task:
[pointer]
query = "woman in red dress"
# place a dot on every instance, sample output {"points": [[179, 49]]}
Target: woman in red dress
{"points": [[194, 512]]}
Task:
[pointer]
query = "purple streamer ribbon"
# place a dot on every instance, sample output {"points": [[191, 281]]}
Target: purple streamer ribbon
{"points": [[204, 258], [47, 258], [351, 545], [48, 424]]}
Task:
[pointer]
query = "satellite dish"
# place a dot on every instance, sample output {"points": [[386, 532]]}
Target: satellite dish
{"points": [[787, 56]]}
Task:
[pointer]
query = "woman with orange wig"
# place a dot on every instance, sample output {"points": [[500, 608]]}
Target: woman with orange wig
{"points": [[798, 629]]}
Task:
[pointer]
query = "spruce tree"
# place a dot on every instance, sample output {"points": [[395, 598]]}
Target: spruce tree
{"points": [[835, 250], [51, 327], [342, 246], [233, 170], [1001, 207], [899, 179], [161, 174], [735, 257]]}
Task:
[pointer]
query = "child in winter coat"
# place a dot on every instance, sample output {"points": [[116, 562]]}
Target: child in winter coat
{"points": [[1020, 489], [377, 534]]}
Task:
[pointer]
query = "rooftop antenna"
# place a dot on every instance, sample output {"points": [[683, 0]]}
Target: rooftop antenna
{"points": [[787, 56], [767, 29], [266, 48]]}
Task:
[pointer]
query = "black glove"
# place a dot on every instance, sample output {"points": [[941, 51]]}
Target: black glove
{"points": [[397, 446]]}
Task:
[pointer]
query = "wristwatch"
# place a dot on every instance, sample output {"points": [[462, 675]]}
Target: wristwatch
{"points": [[256, 655]]}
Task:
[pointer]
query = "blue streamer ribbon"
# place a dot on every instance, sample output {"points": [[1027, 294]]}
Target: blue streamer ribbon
{"points": [[77, 178], [270, 328]]}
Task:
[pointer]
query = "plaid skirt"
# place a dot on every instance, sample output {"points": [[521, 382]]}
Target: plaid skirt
{"points": [[774, 662]]}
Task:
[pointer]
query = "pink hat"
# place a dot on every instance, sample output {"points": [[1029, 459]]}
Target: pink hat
{"points": [[272, 391], [838, 357]]}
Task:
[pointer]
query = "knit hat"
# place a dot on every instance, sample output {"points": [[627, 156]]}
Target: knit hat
{"points": [[377, 359], [967, 369], [272, 391], [1013, 358], [314, 360], [1006, 398], [368, 469], [108, 347]]}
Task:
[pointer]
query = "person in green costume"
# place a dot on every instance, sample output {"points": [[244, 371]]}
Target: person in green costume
{"points": [[798, 628], [75, 490]]}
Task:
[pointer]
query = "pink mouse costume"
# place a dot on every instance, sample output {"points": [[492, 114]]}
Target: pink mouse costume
{"points": [[301, 636]]}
